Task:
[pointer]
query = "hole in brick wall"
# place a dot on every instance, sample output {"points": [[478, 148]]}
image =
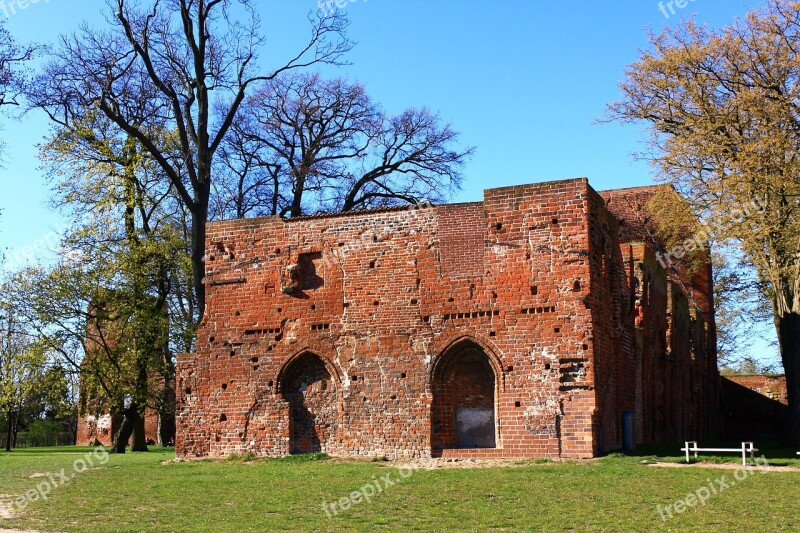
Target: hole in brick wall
{"points": [[576, 287], [547, 366], [211, 339], [353, 378], [510, 368], [528, 256], [413, 301], [224, 386], [237, 313], [346, 304], [277, 251], [340, 244], [374, 238], [555, 221], [451, 299], [254, 359], [270, 384], [534, 290], [557, 330], [364, 399], [255, 367], [494, 295], [376, 302], [313, 307], [280, 310], [393, 397], [223, 418], [372, 264], [310, 271], [517, 404], [585, 346], [278, 337], [492, 333], [499, 226], [232, 353], [187, 391]]}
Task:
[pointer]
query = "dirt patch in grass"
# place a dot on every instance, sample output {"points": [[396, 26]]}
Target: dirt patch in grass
{"points": [[439, 463], [726, 466], [6, 507]]}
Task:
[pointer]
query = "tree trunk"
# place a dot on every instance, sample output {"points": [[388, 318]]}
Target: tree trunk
{"points": [[788, 328], [15, 429], [166, 422], [139, 442], [8, 430], [197, 255], [132, 426], [121, 437]]}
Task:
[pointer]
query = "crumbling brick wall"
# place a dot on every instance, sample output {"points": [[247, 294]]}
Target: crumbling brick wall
{"points": [[415, 332], [754, 407], [671, 302]]}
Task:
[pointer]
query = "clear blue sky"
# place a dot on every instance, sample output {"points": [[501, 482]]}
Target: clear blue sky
{"points": [[522, 81]]}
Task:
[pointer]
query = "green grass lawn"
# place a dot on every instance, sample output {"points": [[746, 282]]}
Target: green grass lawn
{"points": [[136, 492]]}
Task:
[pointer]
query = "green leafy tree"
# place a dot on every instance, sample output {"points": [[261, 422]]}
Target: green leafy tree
{"points": [[22, 364], [723, 115]]}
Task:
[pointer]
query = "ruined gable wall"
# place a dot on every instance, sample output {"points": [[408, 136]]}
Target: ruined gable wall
{"points": [[388, 293]]}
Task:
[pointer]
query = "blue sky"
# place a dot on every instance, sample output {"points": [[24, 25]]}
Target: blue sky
{"points": [[523, 81]]}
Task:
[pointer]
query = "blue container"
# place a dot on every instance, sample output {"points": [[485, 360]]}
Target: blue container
{"points": [[628, 443]]}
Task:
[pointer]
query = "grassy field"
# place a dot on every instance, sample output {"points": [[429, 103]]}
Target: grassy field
{"points": [[136, 492]]}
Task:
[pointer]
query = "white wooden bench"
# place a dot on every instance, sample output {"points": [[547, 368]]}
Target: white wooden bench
{"points": [[747, 447]]}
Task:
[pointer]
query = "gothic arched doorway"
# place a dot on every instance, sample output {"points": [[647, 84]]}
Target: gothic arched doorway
{"points": [[313, 404], [463, 385]]}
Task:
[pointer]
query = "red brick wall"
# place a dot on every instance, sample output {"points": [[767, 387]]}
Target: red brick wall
{"points": [[754, 407], [772, 387], [531, 279], [677, 394]]}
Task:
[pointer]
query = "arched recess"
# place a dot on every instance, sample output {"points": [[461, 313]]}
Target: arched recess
{"points": [[310, 385], [465, 381]]}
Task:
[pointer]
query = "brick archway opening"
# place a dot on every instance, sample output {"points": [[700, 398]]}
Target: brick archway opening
{"points": [[311, 392], [463, 386]]}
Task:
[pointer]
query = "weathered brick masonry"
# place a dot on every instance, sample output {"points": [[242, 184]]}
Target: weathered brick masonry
{"points": [[508, 327]]}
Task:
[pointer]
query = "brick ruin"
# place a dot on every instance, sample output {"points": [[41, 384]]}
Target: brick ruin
{"points": [[97, 421], [525, 325], [100, 428], [754, 407]]}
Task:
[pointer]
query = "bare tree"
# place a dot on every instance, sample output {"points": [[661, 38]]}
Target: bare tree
{"points": [[324, 145], [12, 58], [159, 74]]}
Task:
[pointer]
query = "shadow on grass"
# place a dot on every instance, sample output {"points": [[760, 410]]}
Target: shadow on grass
{"points": [[70, 450], [776, 453]]}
